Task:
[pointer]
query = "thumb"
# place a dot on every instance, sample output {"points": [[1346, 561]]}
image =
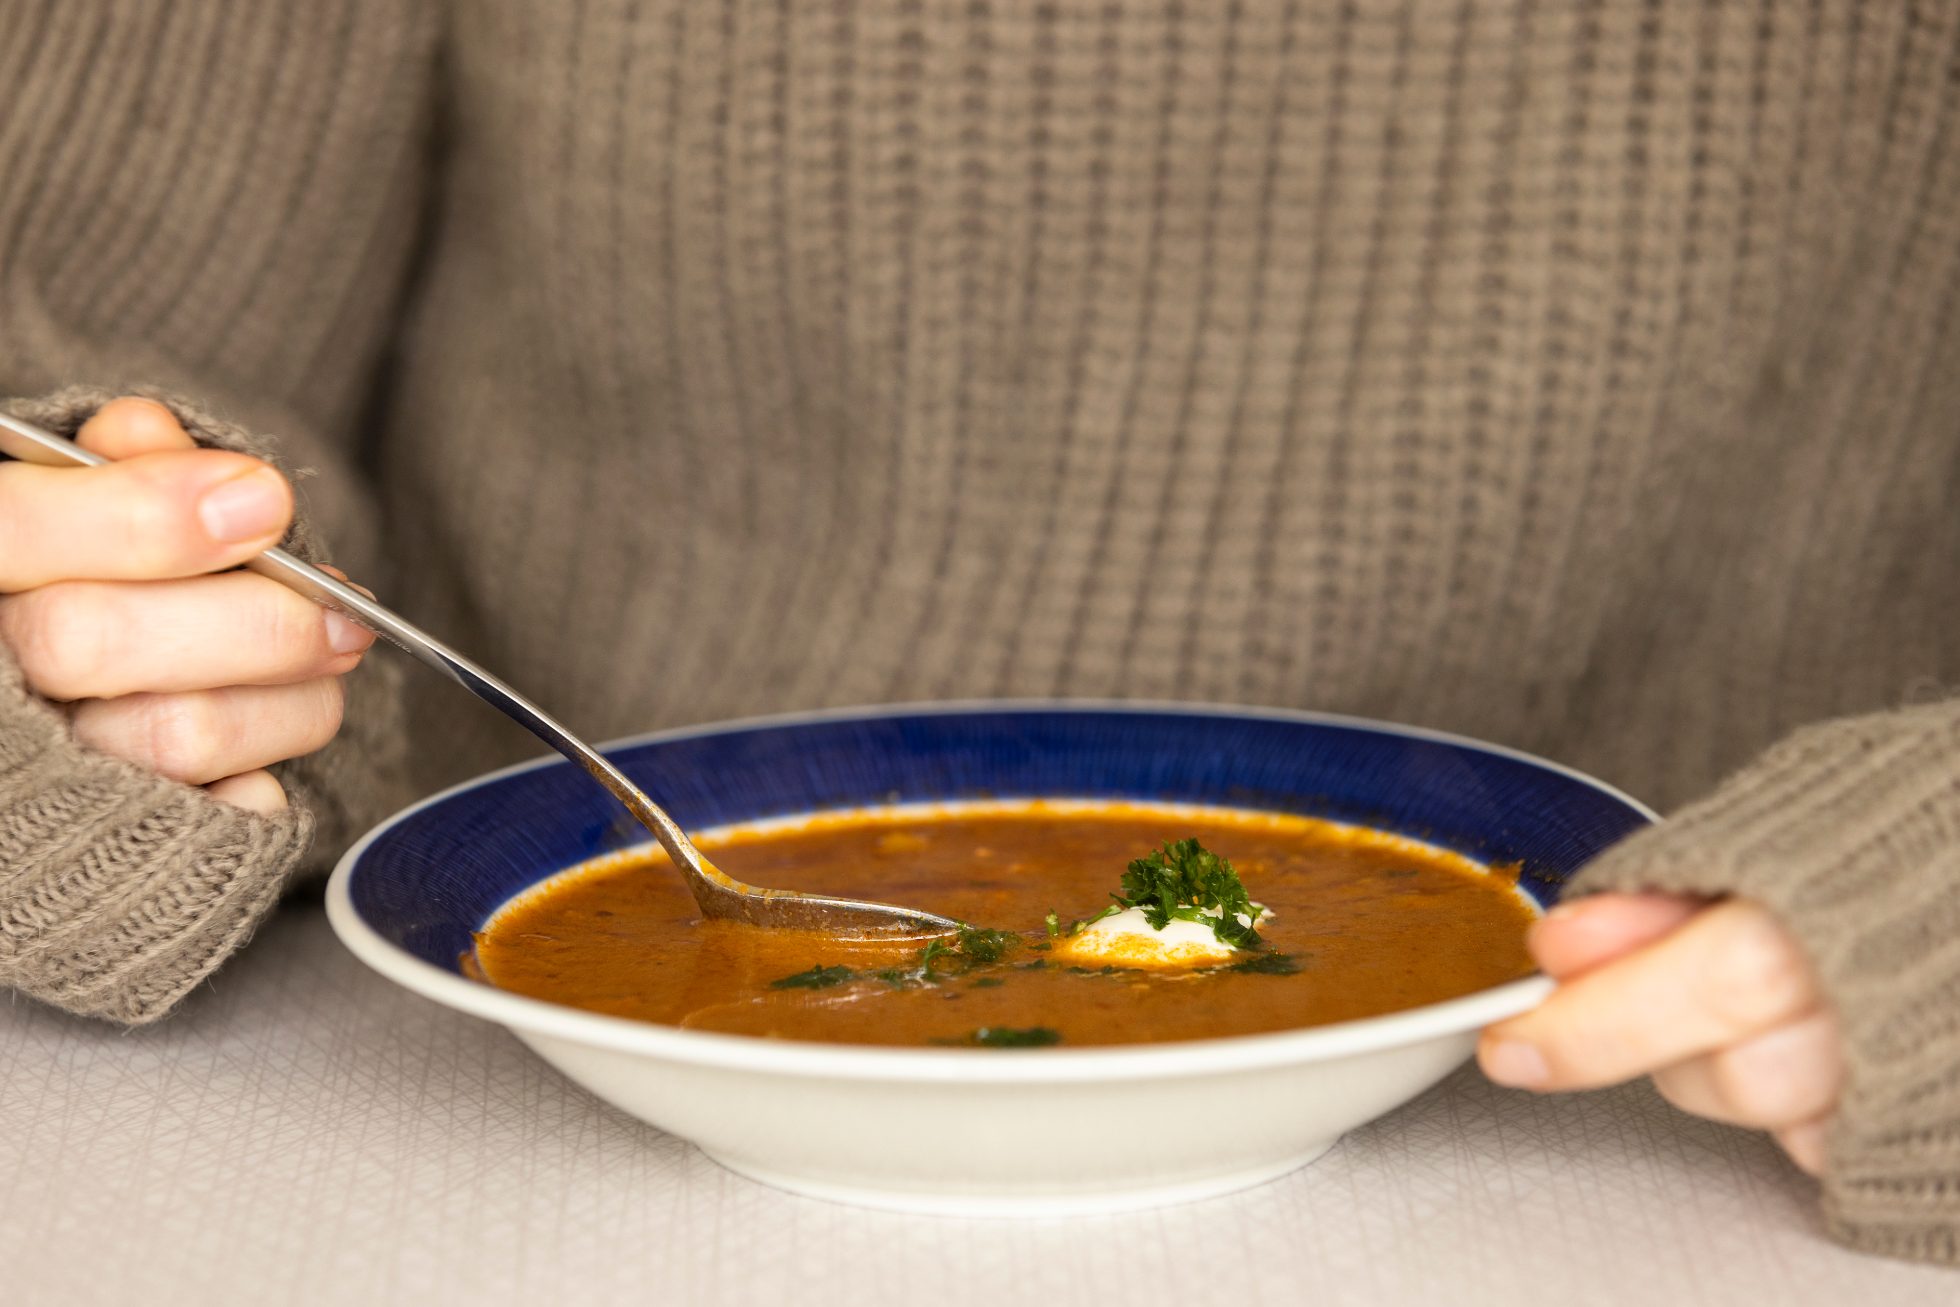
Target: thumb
{"points": [[150, 517], [1575, 937]]}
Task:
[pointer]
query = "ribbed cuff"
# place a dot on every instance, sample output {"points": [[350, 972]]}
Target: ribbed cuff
{"points": [[1849, 831], [120, 890]]}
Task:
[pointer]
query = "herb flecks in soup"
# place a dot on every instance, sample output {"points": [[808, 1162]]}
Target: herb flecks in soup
{"points": [[1347, 923]]}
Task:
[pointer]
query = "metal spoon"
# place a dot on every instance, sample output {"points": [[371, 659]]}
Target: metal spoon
{"points": [[718, 894]]}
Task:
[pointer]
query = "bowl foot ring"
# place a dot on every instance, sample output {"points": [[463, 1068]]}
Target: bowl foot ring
{"points": [[1027, 1205]]}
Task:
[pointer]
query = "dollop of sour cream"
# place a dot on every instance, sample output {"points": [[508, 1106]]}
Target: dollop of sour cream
{"points": [[1127, 939]]}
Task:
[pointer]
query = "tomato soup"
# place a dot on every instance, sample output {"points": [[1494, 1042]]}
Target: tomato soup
{"points": [[1361, 923]]}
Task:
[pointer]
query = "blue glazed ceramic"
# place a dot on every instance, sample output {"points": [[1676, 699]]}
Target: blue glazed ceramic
{"points": [[963, 1130], [438, 873]]}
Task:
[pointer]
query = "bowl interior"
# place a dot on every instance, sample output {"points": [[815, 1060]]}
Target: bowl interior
{"points": [[435, 873]]}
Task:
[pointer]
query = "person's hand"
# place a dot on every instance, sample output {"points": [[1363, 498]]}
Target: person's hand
{"points": [[1715, 1001], [110, 605]]}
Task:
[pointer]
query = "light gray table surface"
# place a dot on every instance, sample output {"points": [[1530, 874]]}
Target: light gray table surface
{"points": [[302, 1131]]}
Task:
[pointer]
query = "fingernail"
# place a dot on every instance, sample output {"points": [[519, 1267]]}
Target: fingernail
{"points": [[343, 578], [345, 635], [1513, 1062], [1559, 910], [244, 508]]}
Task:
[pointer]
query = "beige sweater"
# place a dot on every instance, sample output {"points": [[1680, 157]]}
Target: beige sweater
{"points": [[1585, 377]]}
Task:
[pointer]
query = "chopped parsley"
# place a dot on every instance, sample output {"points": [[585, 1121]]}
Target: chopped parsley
{"points": [[982, 947], [814, 978], [1267, 964], [972, 947], [1185, 881], [1012, 1037], [929, 957]]}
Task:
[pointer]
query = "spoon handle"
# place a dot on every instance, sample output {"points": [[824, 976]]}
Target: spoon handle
{"points": [[425, 648], [32, 444]]}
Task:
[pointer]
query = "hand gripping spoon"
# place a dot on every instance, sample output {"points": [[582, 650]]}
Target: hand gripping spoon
{"points": [[719, 895]]}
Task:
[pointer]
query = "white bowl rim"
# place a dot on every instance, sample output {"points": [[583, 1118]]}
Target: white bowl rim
{"points": [[1174, 1059]]}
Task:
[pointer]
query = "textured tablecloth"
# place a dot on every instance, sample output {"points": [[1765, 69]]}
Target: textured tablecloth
{"points": [[305, 1132]]}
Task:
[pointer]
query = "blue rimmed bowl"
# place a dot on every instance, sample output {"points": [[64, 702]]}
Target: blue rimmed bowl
{"points": [[975, 1131]]}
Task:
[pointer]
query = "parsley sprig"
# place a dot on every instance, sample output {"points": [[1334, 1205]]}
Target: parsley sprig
{"points": [[1185, 881]]}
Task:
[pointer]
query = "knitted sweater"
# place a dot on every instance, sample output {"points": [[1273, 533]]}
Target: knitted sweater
{"points": [[1584, 377]]}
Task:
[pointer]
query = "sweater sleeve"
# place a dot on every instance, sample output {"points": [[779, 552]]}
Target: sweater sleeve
{"points": [[1850, 832], [228, 208], [120, 890]]}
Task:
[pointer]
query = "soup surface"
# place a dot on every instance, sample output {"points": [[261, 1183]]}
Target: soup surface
{"points": [[1362, 923]]}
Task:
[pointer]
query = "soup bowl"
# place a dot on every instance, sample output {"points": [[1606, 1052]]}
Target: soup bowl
{"points": [[969, 1131]]}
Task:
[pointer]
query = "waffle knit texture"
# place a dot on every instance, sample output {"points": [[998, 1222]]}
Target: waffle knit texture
{"points": [[1584, 377]]}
